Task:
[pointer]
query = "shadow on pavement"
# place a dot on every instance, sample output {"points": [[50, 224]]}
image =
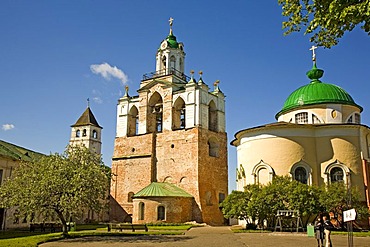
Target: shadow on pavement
{"points": [[130, 239]]}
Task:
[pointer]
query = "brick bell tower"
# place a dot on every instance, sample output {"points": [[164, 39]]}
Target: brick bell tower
{"points": [[170, 153]]}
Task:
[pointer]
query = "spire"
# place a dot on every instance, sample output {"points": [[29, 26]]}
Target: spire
{"points": [[87, 118], [126, 92], [314, 74]]}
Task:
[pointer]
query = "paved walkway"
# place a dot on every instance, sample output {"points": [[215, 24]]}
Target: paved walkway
{"points": [[208, 236]]}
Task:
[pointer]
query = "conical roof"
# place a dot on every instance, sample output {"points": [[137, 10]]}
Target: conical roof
{"points": [[87, 118], [316, 92], [157, 189]]}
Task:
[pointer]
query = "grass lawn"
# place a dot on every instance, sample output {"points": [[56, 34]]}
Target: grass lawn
{"points": [[28, 239]]}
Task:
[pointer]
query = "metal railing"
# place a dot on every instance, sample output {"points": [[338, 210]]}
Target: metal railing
{"points": [[165, 72]]}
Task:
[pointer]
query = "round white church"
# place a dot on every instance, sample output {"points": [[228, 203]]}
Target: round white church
{"points": [[318, 138]]}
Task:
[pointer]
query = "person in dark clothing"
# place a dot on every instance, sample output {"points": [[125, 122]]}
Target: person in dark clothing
{"points": [[319, 231]]}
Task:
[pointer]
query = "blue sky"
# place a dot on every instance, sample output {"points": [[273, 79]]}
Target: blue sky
{"points": [[47, 49]]}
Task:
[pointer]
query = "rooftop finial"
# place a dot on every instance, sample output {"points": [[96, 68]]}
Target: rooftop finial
{"points": [[215, 84], [313, 48], [126, 91], [171, 23], [88, 102]]}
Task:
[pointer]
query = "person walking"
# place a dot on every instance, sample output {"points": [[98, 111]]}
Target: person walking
{"points": [[328, 227], [319, 230]]}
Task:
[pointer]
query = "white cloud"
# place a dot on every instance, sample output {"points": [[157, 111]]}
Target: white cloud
{"points": [[8, 127], [107, 72], [97, 100]]}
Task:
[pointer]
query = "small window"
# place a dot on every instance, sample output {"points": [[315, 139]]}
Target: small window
{"points": [[221, 197], [301, 118], [300, 175], [161, 213], [78, 133], [129, 196], [336, 175], [141, 210], [95, 134], [84, 132], [350, 120]]}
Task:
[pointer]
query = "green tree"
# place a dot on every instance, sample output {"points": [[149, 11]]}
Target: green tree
{"points": [[335, 198], [59, 183], [326, 20]]}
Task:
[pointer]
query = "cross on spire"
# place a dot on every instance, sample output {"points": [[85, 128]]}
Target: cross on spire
{"points": [[313, 48], [88, 102]]}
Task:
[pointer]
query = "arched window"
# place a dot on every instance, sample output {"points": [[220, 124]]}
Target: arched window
{"points": [[155, 116], [78, 133], [141, 211], [133, 121], [263, 173], [300, 175], [350, 120], [129, 196], [336, 174], [178, 114], [161, 213], [301, 172], [95, 134], [84, 132], [212, 116]]}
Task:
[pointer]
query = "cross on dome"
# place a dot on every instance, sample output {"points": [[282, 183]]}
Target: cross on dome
{"points": [[313, 48], [171, 23]]}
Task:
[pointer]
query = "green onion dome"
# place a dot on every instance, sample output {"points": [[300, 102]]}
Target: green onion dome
{"points": [[316, 92]]}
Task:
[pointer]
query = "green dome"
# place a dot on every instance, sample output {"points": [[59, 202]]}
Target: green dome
{"points": [[172, 42], [315, 93]]}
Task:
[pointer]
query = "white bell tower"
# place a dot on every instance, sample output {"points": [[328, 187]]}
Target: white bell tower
{"points": [[86, 131], [170, 57]]}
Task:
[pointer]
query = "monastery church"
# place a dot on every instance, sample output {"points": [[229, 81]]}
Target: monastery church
{"points": [[170, 151]]}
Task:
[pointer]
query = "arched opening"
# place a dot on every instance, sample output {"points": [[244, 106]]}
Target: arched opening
{"points": [[78, 133], [95, 134], [178, 114], [133, 121], [212, 116], [164, 65], [155, 114], [161, 213], [301, 172], [84, 132], [129, 196], [263, 173], [141, 211]]}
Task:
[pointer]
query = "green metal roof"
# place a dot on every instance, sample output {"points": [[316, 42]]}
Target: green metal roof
{"points": [[15, 152], [87, 118], [157, 189], [316, 92]]}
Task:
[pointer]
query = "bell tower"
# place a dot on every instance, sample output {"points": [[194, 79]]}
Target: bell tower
{"points": [[170, 135], [87, 131]]}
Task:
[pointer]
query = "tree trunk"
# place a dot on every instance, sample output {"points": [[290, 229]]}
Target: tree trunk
{"points": [[64, 222]]}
